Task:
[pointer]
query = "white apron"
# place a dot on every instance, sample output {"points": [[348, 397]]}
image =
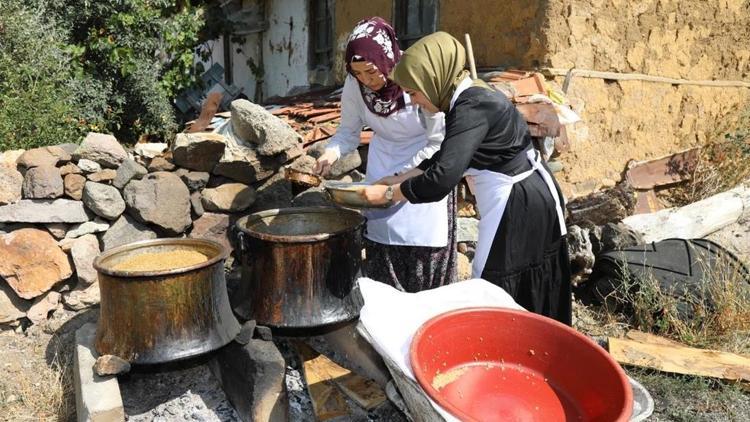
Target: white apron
{"points": [[399, 143], [492, 191], [403, 224]]}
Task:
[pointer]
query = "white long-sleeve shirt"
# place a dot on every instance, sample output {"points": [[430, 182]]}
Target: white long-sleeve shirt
{"points": [[399, 143]]}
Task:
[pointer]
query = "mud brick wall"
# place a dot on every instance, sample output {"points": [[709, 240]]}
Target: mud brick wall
{"points": [[690, 39]]}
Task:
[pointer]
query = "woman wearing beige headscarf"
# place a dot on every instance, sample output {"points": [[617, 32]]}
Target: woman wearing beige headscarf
{"points": [[522, 245]]}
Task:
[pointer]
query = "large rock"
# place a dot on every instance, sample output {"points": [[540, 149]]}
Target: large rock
{"points": [[68, 150], [160, 164], [255, 124], [101, 148], [44, 211], [231, 197], [198, 151], [150, 149], [63, 153], [43, 157], [82, 297], [104, 200], [10, 157], [42, 183], [241, 162], [11, 182], [84, 250], [275, 192], [42, 306], [464, 267], [194, 180], [126, 230], [213, 227], [580, 252], [88, 166], [89, 227], [105, 175], [57, 230], [196, 205], [70, 168], [343, 165], [12, 307], [111, 365], [32, 262], [73, 184], [252, 376], [160, 199], [467, 230], [128, 170]]}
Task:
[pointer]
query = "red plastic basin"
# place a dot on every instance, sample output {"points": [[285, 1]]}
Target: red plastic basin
{"points": [[493, 364]]}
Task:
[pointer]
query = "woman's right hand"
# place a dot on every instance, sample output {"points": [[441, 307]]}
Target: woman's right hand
{"points": [[324, 162]]}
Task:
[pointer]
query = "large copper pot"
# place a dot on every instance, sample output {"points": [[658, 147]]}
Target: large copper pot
{"points": [[299, 266], [150, 317]]}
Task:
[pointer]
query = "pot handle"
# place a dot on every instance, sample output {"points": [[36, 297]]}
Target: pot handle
{"points": [[241, 247]]}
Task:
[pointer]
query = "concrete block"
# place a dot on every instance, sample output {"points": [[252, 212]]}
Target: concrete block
{"points": [[252, 376], [97, 398]]}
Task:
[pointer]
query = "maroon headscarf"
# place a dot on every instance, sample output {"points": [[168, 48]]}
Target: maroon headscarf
{"points": [[374, 40]]}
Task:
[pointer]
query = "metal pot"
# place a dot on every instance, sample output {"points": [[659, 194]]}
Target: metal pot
{"points": [[299, 265], [149, 317]]}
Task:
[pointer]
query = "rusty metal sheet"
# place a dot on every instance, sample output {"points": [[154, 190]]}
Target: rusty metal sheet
{"points": [[210, 106], [541, 118], [663, 171]]}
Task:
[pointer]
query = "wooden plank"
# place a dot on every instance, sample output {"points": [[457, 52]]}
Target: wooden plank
{"points": [[692, 221], [367, 393], [327, 400], [680, 359], [651, 338]]}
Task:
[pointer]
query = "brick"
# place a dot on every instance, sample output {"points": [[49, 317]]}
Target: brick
{"points": [[97, 398]]}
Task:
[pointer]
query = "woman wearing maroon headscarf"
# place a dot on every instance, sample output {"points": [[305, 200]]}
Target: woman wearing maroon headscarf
{"points": [[410, 246]]}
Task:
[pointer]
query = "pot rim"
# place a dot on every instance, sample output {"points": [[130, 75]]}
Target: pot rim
{"points": [[221, 256], [241, 224]]}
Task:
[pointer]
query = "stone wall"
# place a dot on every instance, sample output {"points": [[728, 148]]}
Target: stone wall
{"points": [[61, 206]]}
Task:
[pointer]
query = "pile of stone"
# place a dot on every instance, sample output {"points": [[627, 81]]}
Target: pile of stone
{"points": [[61, 206]]}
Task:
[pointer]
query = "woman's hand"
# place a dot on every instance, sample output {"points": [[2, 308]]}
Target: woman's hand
{"points": [[324, 162], [375, 194]]}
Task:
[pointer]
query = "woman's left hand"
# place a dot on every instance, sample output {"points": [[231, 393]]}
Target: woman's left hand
{"points": [[375, 194]]}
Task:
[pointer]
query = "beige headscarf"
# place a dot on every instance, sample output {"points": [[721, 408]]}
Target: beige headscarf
{"points": [[434, 65]]}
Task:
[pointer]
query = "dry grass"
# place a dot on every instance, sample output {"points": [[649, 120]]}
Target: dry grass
{"points": [[35, 391], [722, 165], [716, 315]]}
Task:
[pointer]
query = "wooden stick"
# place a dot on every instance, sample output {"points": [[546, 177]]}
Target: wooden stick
{"points": [[585, 73], [470, 55]]}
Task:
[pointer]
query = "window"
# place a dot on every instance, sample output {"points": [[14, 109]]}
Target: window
{"points": [[321, 30], [413, 19]]}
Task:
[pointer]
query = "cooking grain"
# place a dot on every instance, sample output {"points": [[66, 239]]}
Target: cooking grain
{"points": [[158, 261]]}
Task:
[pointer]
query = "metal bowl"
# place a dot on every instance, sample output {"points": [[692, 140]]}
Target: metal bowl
{"points": [[349, 195]]}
